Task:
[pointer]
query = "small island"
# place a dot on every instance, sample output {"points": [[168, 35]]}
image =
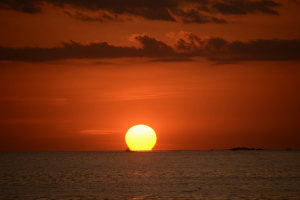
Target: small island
{"points": [[246, 149], [128, 150]]}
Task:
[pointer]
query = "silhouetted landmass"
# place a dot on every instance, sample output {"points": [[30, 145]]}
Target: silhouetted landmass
{"points": [[128, 150], [246, 149]]}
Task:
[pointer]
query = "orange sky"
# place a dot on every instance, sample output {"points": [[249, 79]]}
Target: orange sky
{"points": [[203, 74]]}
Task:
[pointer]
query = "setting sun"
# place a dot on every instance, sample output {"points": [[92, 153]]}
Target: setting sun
{"points": [[140, 138]]}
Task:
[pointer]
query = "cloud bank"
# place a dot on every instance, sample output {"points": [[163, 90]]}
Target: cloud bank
{"points": [[184, 11], [186, 47]]}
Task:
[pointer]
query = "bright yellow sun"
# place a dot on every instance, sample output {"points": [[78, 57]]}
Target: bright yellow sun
{"points": [[140, 138]]}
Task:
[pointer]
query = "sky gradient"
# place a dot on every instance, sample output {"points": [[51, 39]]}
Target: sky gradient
{"points": [[76, 75]]}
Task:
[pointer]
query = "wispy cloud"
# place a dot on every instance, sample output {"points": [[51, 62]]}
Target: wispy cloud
{"points": [[139, 93], [99, 131]]}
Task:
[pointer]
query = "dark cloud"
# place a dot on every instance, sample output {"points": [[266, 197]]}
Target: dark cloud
{"points": [[154, 48], [194, 16], [186, 11], [70, 50], [188, 46], [100, 17], [242, 7], [73, 50], [219, 49], [27, 6], [152, 14], [263, 50], [152, 10], [173, 59], [117, 6]]}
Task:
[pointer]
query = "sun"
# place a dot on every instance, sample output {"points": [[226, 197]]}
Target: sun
{"points": [[140, 138]]}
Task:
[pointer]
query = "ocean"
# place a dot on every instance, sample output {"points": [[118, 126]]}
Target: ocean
{"points": [[214, 174]]}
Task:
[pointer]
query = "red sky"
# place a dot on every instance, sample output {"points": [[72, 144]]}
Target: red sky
{"points": [[203, 74]]}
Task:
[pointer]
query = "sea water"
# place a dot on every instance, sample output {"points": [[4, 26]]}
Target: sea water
{"points": [[215, 174]]}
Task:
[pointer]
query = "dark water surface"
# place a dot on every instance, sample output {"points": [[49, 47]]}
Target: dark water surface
{"points": [[151, 175]]}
